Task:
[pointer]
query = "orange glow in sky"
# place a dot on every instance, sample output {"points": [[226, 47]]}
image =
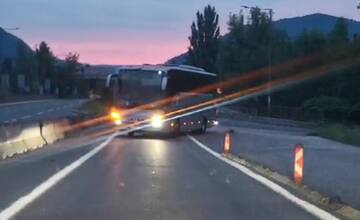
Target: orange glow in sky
{"points": [[121, 52]]}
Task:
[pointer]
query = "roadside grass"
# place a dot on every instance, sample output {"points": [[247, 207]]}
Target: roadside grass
{"points": [[341, 133]]}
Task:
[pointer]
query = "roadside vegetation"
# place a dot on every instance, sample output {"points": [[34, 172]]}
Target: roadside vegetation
{"points": [[253, 43], [39, 72], [340, 132]]}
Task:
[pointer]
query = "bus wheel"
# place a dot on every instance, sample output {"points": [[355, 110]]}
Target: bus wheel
{"points": [[131, 134], [203, 126], [177, 128]]}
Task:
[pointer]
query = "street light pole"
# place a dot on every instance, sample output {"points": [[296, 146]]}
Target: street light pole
{"points": [[271, 13]]}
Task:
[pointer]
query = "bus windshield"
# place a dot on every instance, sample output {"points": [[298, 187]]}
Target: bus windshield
{"points": [[139, 87]]}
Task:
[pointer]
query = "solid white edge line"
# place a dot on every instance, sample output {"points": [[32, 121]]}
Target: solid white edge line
{"points": [[310, 208], [22, 202]]}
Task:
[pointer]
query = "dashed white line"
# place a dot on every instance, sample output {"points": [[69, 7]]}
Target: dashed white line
{"points": [[40, 113], [310, 208], [50, 110]]}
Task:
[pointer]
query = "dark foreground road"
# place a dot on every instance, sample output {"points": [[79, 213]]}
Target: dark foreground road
{"points": [[140, 178]]}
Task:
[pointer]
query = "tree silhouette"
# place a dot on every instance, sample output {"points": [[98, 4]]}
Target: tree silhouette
{"points": [[340, 34], [45, 62], [204, 39]]}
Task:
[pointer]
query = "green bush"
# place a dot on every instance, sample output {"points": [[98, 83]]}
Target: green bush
{"points": [[331, 108], [341, 133]]}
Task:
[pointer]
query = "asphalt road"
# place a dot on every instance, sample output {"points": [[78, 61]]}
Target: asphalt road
{"points": [[139, 178], [330, 167], [37, 110]]}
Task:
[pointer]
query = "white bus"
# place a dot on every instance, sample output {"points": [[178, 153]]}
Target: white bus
{"points": [[141, 88]]}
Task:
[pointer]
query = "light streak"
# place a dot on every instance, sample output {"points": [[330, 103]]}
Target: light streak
{"points": [[276, 84]]}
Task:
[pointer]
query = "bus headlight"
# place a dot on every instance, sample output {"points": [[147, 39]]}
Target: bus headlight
{"points": [[157, 121], [116, 117]]}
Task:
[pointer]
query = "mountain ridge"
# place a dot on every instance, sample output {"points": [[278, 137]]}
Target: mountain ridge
{"points": [[10, 45], [295, 25]]}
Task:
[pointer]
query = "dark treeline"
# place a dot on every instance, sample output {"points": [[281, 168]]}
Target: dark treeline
{"points": [[40, 72], [252, 43]]}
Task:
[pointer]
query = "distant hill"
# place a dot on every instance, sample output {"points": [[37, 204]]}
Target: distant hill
{"points": [[322, 22], [10, 44], [294, 26]]}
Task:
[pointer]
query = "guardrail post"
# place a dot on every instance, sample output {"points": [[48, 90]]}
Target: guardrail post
{"points": [[227, 142], [299, 164]]}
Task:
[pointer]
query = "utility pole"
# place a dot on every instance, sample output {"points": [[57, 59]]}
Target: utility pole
{"points": [[271, 13]]}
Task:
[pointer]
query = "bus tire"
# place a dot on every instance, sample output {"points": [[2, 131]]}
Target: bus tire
{"points": [[177, 128], [131, 133], [203, 126]]}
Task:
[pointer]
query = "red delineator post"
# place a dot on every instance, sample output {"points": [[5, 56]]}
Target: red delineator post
{"points": [[227, 143], [299, 164]]}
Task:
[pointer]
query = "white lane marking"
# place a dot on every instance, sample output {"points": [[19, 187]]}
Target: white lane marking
{"points": [[13, 120], [50, 110], [22, 202], [312, 209], [25, 102], [40, 113]]}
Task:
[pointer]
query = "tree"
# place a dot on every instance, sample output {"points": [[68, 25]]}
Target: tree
{"points": [[249, 44], [45, 63], [328, 106], [66, 78], [7, 68], [233, 45], [204, 40], [26, 65], [340, 34], [309, 42], [72, 63]]}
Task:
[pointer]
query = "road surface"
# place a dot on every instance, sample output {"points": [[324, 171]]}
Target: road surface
{"points": [[137, 178], [20, 112], [330, 167]]}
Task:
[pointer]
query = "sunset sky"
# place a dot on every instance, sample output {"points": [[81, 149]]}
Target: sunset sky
{"points": [[134, 31]]}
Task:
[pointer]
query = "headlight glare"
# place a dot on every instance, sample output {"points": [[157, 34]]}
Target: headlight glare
{"points": [[157, 121]]}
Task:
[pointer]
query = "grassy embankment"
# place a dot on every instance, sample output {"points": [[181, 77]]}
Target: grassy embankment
{"points": [[341, 133]]}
